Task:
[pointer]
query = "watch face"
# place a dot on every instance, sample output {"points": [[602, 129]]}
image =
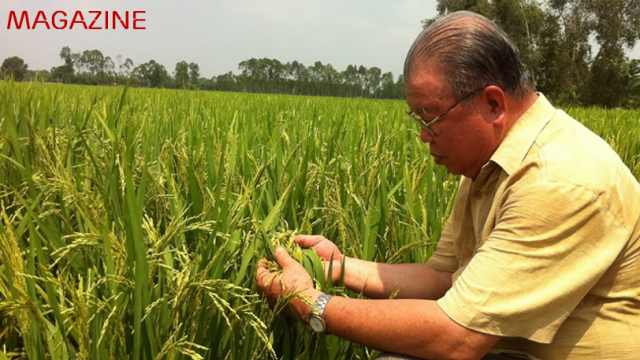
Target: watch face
{"points": [[316, 324]]}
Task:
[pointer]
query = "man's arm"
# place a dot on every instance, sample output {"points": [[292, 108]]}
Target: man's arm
{"points": [[377, 280], [412, 327], [416, 328]]}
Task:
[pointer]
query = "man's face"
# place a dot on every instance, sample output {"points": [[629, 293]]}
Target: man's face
{"points": [[463, 141]]}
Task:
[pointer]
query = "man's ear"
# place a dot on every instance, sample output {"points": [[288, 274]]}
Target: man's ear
{"points": [[494, 104]]}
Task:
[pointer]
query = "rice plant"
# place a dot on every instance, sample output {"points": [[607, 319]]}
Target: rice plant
{"points": [[132, 220]]}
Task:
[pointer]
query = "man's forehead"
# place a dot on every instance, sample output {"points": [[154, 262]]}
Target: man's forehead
{"points": [[427, 72], [427, 83]]}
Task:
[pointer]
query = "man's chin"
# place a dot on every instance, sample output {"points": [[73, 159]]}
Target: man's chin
{"points": [[450, 169]]}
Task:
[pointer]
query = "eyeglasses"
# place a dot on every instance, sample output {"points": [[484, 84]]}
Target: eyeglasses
{"points": [[427, 125]]}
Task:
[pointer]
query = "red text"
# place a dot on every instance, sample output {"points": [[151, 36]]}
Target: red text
{"points": [[91, 20]]}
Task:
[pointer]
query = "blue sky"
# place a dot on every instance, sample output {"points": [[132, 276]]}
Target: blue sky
{"points": [[218, 34]]}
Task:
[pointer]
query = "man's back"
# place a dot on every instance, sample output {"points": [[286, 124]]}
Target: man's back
{"points": [[556, 267], [606, 323]]}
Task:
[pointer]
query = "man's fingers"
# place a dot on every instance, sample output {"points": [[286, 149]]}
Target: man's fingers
{"points": [[263, 275], [307, 241], [283, 258], [262, 263]]}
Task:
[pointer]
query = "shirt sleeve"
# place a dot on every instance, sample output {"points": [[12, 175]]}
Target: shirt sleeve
{"points": [[552, 242]]}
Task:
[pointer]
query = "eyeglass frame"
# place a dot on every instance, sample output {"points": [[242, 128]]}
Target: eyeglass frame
{"points": [[427, 125]]}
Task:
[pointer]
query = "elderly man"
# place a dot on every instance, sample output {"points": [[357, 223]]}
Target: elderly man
{"points": [[541, 256]]}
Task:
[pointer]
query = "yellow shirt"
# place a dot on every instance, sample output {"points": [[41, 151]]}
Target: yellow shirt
{"points": [[545, 244]]}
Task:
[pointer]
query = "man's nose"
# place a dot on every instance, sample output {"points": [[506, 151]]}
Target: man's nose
{"points": [[426, 136]]}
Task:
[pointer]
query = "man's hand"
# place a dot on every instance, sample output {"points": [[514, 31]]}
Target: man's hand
{"points": [[294, 279], [326, 250]]}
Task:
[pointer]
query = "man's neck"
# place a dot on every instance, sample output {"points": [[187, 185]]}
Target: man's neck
{"points": [[518, 108]]}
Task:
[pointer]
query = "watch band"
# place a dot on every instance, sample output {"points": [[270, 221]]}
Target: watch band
{"points": [[316, 319], [320, 304]]}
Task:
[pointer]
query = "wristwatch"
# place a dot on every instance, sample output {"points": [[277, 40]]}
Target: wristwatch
{"points": [[316, 320]]}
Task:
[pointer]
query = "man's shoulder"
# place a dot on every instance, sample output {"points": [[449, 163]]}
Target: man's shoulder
{"points": [[566, 155], [567, 151]]}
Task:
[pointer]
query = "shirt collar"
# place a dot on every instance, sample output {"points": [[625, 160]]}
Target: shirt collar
{"points": [[522, 135]]}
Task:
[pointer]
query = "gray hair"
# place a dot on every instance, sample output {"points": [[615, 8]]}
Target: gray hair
{"points": [[473, 52]]}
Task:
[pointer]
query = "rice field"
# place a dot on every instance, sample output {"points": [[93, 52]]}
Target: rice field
{"points": [[132, 219]]}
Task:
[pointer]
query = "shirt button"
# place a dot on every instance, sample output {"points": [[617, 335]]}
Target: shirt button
{"points": [[477, 195]]}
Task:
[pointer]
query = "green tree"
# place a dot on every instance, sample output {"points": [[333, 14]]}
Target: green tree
{"points": [[194, 75], [521, 19], [634, 84], [372, 80], [616, 27], [400, 87], [151, 74], [125, 68], [564, 52], [69, 58], [251, 75], [38, 75], [93, 61], [181, 74], [352, 81], [226, 82], [299, 74], [446, 6], [609, 80], [362, 78], [554, 40], [387, 88], [109, 66], [65, 73], [14, 66]]}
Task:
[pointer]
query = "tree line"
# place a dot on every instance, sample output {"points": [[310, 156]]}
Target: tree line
{"points": [[91, 67], [575, 51]]}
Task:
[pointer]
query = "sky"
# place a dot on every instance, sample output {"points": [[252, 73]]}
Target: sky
{"points": [[219, 34]]}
